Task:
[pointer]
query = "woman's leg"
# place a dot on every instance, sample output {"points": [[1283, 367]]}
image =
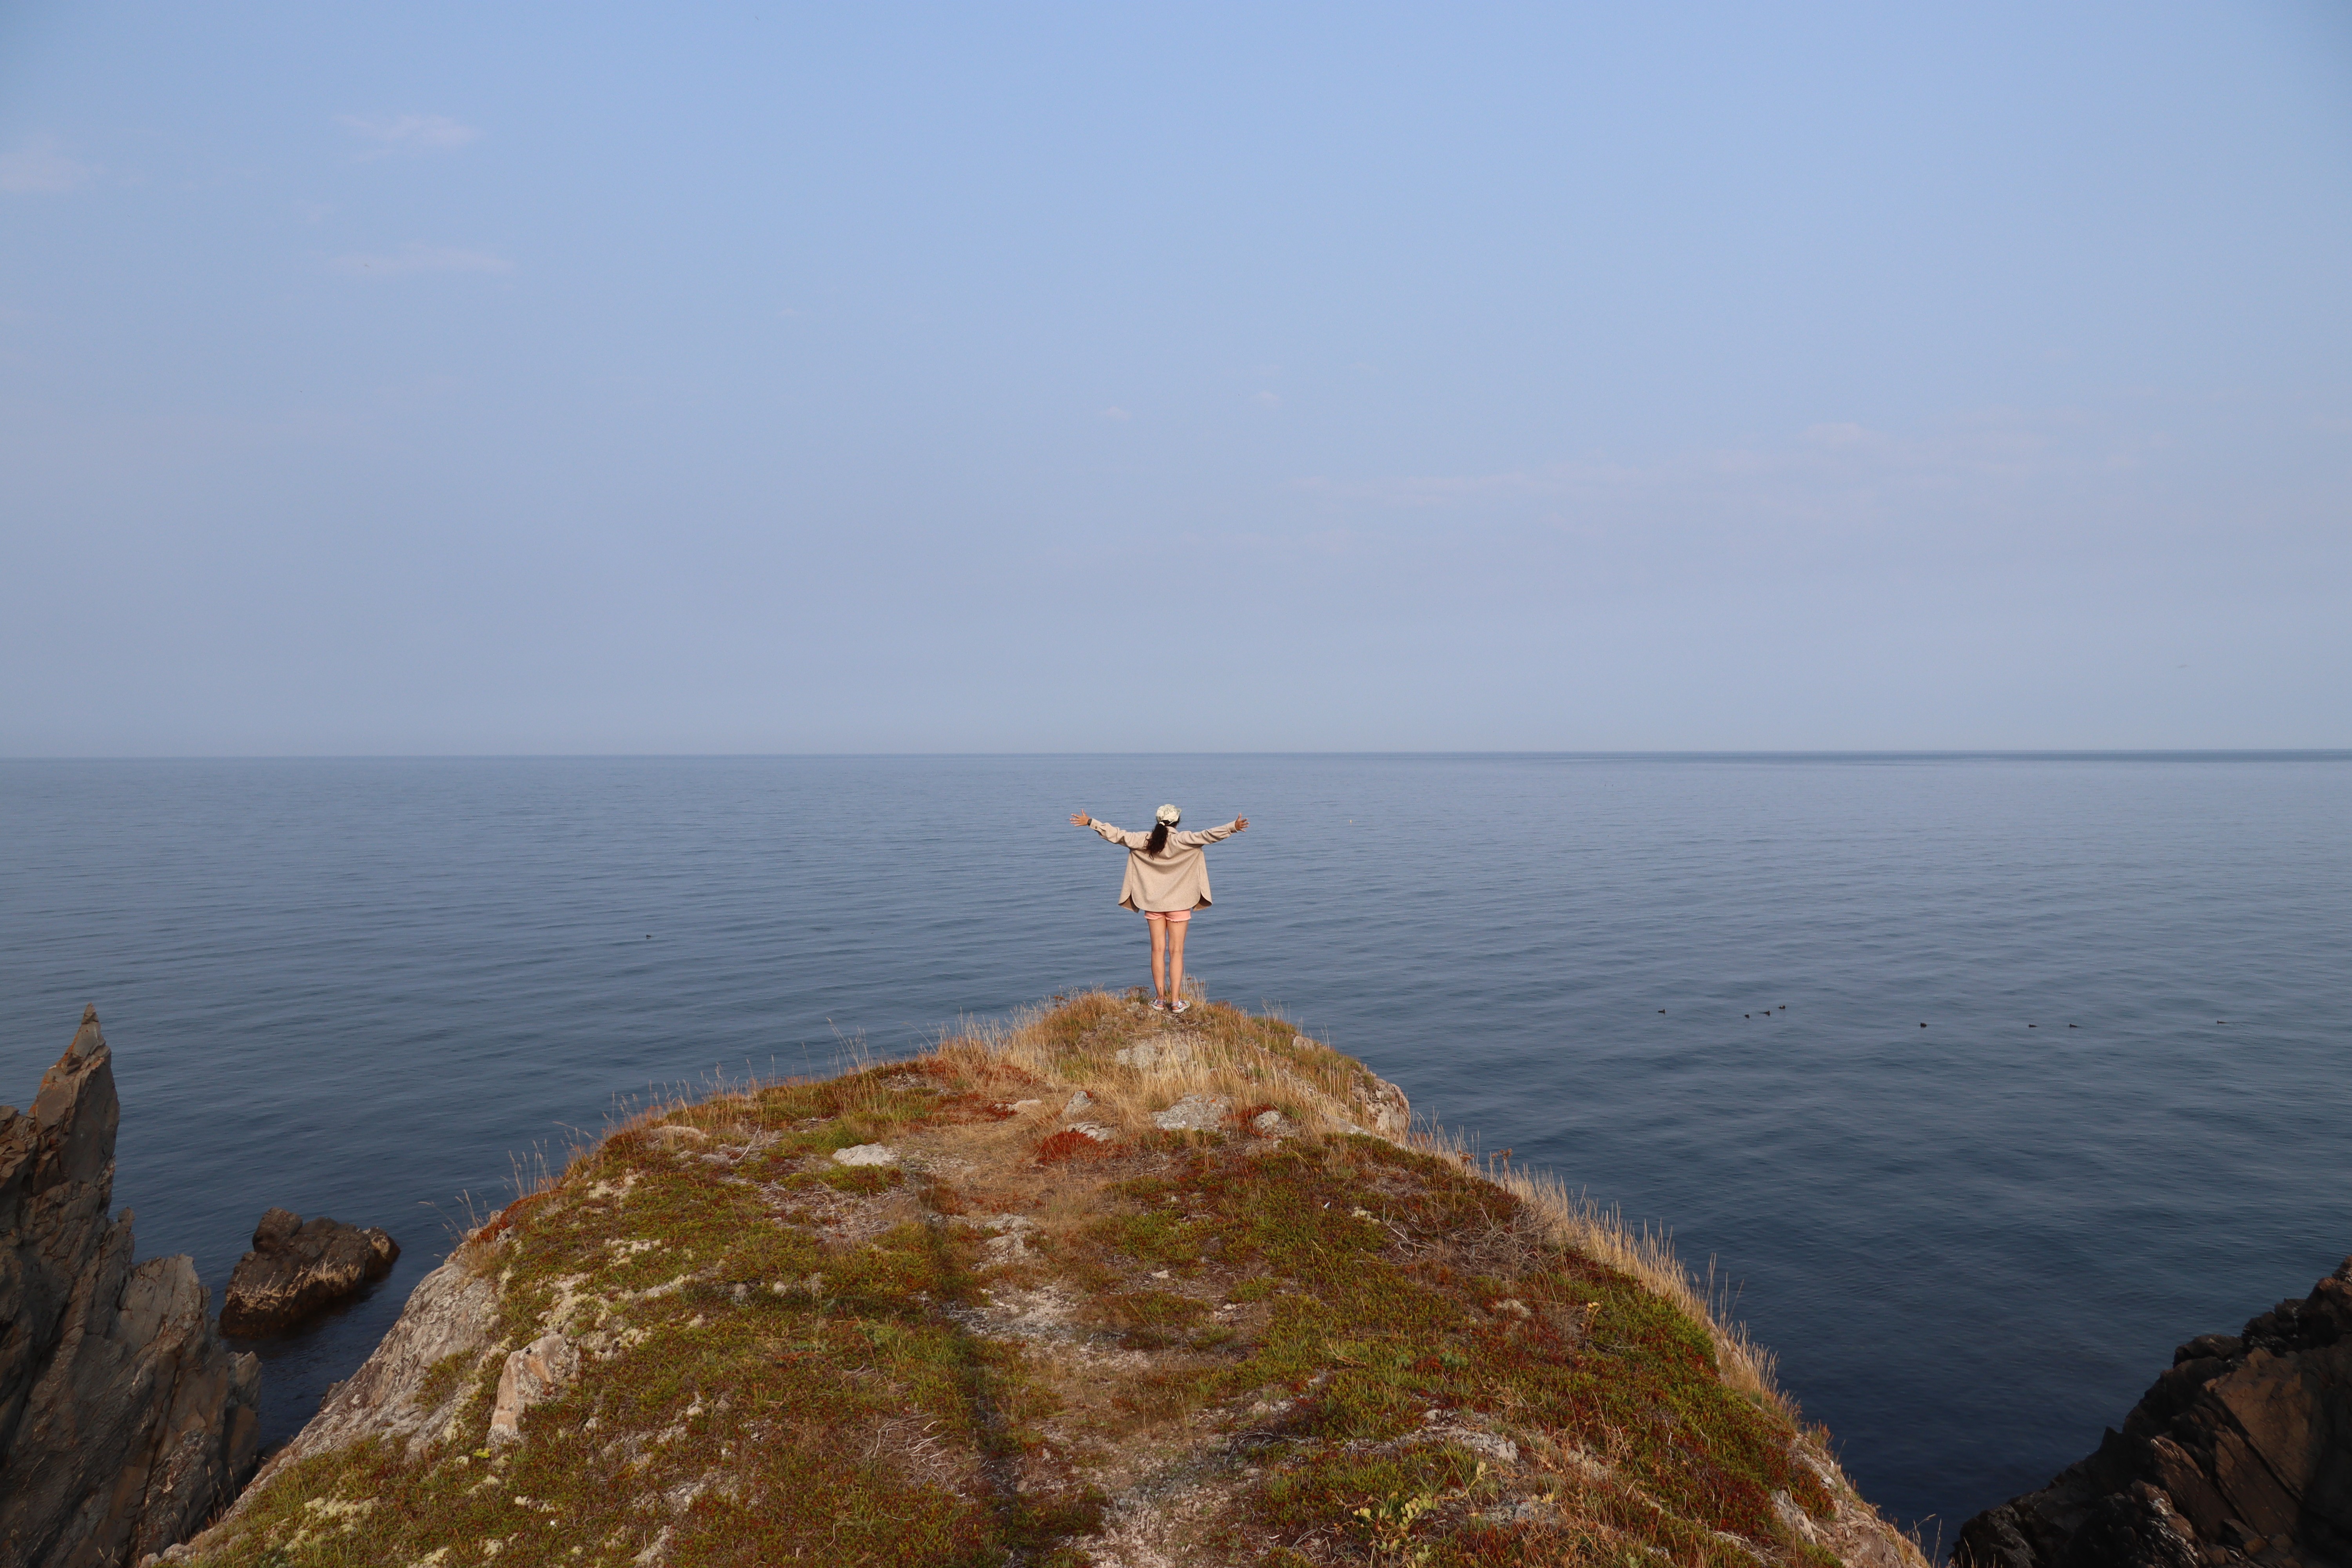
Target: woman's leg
{"points": [[1159, 956], [1176, 930]]}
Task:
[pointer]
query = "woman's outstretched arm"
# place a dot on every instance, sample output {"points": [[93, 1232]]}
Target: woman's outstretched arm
{"points": [[1211, 835], [1127, 840]]}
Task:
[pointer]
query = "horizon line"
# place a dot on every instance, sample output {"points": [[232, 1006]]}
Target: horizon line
{"points": [[2083, 754]]}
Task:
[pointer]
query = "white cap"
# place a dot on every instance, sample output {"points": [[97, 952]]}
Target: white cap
{"points": [[1169, 814]]}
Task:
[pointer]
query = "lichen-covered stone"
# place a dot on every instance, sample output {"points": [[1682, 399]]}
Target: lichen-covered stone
{"points": [[1161, 1055], [1193, 1113], [533, 1375]]}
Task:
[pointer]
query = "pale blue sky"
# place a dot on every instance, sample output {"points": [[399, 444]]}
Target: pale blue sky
{"points": [[464, 378]]}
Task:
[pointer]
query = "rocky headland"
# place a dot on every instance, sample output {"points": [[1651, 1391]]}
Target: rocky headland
{"points": [[1107, 1289], [2241, 1453], [125, 1422]]}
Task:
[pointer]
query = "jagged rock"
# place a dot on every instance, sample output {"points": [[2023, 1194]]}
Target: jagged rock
{"points": [[295, 1270], [125, 1422], [534, 1374], [1193, 1113], [867, 1155], [1272, 1124], [2241, 1451], [1080, 1103]]}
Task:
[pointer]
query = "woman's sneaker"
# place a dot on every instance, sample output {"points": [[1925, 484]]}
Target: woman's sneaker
{"points": [[1178, 1007], [1158, 1005]]}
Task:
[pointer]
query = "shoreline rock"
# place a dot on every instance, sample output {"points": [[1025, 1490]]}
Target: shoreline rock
{"points": [[2241, 1453], [125, 1421], [296, 1271]]}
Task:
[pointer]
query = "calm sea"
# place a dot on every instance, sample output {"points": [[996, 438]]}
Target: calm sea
{"points": [[1694, 986]]}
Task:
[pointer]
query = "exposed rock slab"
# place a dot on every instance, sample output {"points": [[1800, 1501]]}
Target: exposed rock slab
{"points": [[2241, 1453], [1165, 1054], [450, 1320], [1193, 1113], [296, 1271], [125, 1421]]}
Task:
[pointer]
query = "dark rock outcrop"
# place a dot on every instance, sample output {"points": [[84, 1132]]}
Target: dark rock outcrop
{"points": [[2241, 1453], [125, 1423], [297, 1269]]}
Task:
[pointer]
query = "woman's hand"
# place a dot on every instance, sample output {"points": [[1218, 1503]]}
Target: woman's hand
{"points": [[1240, 825], [1080, 819]]}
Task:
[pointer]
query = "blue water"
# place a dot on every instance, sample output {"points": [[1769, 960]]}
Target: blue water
{"points": [[362, 988]]}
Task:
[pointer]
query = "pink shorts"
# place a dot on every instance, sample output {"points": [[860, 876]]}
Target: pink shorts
{"points": [[1175, 917]]}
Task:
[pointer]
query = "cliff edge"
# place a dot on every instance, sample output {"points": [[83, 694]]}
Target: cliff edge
{"points": [[1103, 1288], [125, 1423]]}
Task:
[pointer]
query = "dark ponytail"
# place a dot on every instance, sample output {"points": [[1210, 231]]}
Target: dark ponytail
{"points": [[1158, 839]]}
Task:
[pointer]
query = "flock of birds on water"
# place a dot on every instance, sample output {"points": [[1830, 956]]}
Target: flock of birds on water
{"points": [[1784, 1008]]}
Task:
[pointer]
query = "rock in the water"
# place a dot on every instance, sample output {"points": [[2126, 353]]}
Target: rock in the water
{"points": [[125, 1422], [297, 1269], [867, 1155], [2244, 1451], [1193, 1113]]}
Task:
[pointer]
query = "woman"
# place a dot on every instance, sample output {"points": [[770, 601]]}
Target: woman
{"points": [[1167, 878]]}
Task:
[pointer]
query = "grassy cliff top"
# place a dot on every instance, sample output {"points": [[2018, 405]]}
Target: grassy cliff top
{"points": [[1075, 1296]]}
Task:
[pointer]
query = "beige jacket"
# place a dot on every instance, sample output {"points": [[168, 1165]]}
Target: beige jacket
{"points": [[1175, 879]]}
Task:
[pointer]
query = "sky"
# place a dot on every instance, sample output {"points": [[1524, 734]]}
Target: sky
{"points": [[448, 379]]}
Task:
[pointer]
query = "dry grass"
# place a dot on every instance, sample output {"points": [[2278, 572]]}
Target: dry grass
{"points": [[1240, 1058], [1572, 1220]]}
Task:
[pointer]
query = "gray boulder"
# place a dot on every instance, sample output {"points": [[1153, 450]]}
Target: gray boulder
{"points": [[125, 1422], [295, 1270]]}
